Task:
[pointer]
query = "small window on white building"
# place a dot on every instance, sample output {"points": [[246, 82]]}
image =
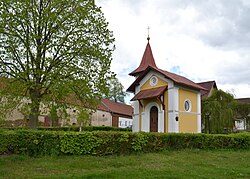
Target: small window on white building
{"points": [[125, 123], [187, 105], [153, 81], [120, 123]]}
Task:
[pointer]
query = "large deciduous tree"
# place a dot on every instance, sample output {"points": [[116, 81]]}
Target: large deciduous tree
{"points": [[51, 50]]}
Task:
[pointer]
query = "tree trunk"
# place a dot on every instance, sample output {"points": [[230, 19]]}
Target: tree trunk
{"points": [[34, 110], [80, 129]]}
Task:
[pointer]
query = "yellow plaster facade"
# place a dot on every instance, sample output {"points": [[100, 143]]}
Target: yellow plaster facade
{"points": [[174, 117], [190, 95], [187, 120], [147, 85], [145, 102], [187, 123]]}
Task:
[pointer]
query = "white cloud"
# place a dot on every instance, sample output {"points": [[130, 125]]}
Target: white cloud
{"points": [[206, 40]]}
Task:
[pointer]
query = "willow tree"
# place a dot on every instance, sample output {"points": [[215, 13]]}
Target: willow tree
{"points": [[243, 112], [51, 50], [218, 112]]}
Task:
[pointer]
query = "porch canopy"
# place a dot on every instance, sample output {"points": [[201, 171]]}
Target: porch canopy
{"points": [[150, 93]]}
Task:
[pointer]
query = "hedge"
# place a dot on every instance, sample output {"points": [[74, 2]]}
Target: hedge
{"points": [[75, 128], [35, 143], [86, 128]]}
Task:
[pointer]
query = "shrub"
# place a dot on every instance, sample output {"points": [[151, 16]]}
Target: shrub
{"points": [[79, 143], [107, 143], [29, 142], [86, 128]]}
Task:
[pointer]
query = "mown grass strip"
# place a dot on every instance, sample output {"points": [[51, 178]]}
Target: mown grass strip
{"points": [[167, 164]]}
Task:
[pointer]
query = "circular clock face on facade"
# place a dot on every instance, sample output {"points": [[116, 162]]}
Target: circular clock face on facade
{"points": [[153, 81]]}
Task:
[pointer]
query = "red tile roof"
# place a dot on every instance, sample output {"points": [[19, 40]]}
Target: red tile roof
{"points": [[209, 85], [150, 93], [115, 107], [147, 60], [104, 105], [176, 78], [243, 100]]}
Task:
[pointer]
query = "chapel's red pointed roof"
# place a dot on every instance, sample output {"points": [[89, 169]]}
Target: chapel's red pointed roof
{"points": [[148, 64], [147, 60], [174, 77]]}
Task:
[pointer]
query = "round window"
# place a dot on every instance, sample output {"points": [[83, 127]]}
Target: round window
{"points": [[187, 105], [153, 81]]}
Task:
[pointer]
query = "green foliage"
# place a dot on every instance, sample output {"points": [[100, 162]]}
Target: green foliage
{"points": [[108, 143], [83, 117], [243, 112], [218, 112], [85, 128], [53, 51], [243, 109], [9, 97], [53, 116], [139, 141], [116, 90], [79, 143], [29, 142], [11, 124]]}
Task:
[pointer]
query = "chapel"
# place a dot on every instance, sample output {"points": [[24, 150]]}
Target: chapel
{"points": [[164, 101]]}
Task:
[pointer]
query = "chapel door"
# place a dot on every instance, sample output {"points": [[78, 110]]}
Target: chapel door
{"points": [[154, 119]]}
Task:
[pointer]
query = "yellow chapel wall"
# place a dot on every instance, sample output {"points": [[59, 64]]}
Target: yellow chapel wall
{"points": [[146, 86], [188, 120]]}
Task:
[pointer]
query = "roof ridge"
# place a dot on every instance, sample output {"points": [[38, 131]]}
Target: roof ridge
{"points": [[106, 105], [174, 77], [207, 81], [115, 101], [178, 75]]}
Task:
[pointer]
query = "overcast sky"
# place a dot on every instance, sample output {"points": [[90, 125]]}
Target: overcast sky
{"points": [[202, 40]]}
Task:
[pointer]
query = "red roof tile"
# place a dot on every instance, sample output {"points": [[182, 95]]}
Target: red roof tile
{"points": [[104, 105], [147, 60], [243, 100], [207, 85], [181, 80], [115, 107], [176, 78], [150, 93]]}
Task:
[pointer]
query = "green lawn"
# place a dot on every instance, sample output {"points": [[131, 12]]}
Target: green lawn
{"points": [[168, 164]]}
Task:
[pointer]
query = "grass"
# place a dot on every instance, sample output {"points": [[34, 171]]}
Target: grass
{"points": [[167, 164]]}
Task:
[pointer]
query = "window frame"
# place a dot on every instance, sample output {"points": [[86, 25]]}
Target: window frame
{"points": [[189, 105]]}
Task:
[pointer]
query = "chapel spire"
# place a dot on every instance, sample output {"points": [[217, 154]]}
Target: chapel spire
{"points": [[147, 60], [148, 34]]}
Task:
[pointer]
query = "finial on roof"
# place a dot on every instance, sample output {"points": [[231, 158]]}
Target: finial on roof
{"points": [[148, 38]]}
